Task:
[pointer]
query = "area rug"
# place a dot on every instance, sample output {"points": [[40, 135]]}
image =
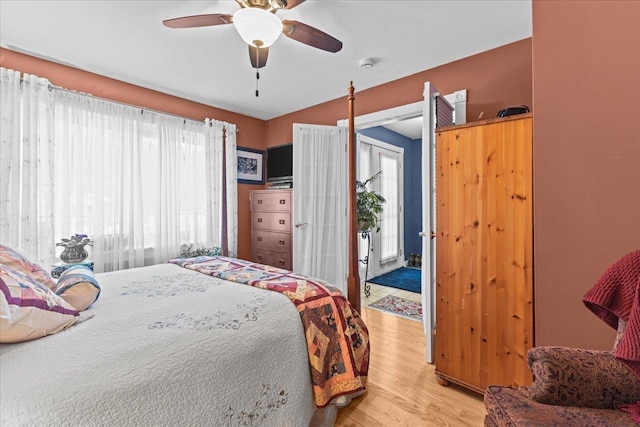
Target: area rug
{"points": [[399, 306], [401, 278]]}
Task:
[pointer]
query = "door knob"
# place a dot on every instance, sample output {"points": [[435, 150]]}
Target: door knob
{"points": [[299, 224], [432, 234]]}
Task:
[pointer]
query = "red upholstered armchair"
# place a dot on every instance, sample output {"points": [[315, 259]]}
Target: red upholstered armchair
{"points": [[574, 387]]}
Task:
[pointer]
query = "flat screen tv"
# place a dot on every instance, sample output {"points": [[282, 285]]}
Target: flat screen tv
{"points": [[280, 163]]}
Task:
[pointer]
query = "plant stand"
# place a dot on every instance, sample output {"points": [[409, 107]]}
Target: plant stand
{"points": [[365, 261]]}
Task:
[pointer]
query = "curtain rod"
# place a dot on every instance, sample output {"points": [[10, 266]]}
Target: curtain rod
{"points": [[142, 109]]}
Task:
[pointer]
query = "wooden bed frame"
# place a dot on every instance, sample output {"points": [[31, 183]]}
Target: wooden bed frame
{"points": [[353, 277]]}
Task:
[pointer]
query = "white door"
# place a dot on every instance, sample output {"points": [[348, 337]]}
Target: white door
{"points": [[436, 110], [387, 245], [320, 236], [428, 109]]}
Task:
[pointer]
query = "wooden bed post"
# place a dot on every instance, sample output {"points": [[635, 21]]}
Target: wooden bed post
{"points": [[353, 279], [224, 245]]}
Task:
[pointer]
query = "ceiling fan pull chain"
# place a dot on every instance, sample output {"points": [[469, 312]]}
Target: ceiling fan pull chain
{"points": [[257, 69]]}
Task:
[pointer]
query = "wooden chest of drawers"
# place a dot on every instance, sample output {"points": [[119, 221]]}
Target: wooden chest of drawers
{"points": [[271, 239]]}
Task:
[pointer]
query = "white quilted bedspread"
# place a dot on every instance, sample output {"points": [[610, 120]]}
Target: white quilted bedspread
{"points": [[166, 347]]}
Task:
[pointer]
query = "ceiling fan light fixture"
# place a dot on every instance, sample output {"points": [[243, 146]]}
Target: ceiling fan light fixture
{"points": [[257, 27]]}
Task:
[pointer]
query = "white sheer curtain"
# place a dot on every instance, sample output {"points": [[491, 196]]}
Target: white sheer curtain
{"points": [[26, 164], [139, 183]]}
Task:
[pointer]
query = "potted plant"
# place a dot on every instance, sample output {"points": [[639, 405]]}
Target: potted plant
{"points": [[188, 251], [74, 251], [368, 205]]}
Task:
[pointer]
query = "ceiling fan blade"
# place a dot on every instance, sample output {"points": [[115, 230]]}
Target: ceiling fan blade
{"points": [[311, 36], [261, 60], [199, 21], [293, 3]]}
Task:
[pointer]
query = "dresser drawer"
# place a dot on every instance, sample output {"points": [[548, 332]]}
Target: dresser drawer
{"points": [[276, 259], [271, 200], [274, 221], [270, 240]]}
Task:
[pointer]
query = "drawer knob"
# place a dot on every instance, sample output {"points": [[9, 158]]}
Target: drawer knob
{"points": [[259, 256], [281, 242], [281, 221], [260, 201], [259, 219], [282, 201], [281, 261], [259, 239]]}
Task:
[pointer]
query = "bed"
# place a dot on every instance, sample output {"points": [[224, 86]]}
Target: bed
{"points": [[196, 341], [169, 345]]}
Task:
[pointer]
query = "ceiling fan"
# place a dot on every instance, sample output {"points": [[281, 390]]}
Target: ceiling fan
{"points": [[259, 27]]}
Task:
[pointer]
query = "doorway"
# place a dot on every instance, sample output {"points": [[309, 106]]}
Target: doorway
{"points": [[384, 248], [430, 112], [394, 154]]}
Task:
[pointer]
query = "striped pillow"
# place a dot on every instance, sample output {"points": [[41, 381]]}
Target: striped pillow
{"points": [[30, 310], [14, 259], [78, 286]]}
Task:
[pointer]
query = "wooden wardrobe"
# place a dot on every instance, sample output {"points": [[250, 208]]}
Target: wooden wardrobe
{"points": [[484, 271]]}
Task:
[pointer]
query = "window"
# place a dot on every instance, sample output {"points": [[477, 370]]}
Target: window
{"points": [[138, 182]]}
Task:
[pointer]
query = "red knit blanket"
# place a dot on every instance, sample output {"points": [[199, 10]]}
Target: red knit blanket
{"points": [[337, 338], [616, 295], [633, 410]]}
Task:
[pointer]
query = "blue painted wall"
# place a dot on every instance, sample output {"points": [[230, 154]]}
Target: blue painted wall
{"points": [[412, 184]]}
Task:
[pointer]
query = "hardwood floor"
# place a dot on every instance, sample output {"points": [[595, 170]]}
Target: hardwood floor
{"points": [[402, 389]]}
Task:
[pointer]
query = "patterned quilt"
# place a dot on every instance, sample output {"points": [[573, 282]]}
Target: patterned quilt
{"points": [[337, 338]]}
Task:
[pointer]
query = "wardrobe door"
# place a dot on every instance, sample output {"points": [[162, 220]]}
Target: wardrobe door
{"points": [[484, 286]]}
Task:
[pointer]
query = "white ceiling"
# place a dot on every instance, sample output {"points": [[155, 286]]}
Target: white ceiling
{"points": [[126, 40], [411, 128]]}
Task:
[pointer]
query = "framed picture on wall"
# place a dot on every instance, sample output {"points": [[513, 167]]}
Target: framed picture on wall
{"points": [[250, 166]]}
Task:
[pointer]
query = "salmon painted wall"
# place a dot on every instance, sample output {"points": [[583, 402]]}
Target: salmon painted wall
{"points": [[251, 130], [586, 63], [494, 79]]}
